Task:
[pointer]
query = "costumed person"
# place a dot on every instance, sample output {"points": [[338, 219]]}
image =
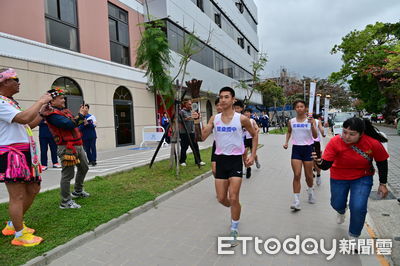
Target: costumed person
{"points": [[88, 130], [19, 160], [64, 127]]}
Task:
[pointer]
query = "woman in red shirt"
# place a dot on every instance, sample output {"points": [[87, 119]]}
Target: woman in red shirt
{"points": [[349, 157]]}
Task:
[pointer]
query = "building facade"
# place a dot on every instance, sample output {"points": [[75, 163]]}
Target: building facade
{"points": [[87, 47], [226, 31]]}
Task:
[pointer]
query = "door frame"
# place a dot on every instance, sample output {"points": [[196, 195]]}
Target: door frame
{"points": [[129, 103]]}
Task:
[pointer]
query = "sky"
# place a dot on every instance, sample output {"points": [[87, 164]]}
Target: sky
{"points": [[299, 34]]}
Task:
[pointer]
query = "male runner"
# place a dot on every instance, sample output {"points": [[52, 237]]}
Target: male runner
{"points": [[248, 141], [228, 135]]}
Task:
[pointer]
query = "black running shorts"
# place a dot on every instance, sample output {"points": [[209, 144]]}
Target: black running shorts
{"points": [[213, 155], [228, 166], [248, 143]]}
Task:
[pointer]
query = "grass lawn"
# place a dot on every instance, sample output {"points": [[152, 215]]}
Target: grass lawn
{"points": [[278, 131], [111, 196]]}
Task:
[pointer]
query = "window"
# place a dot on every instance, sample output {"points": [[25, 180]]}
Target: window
{"points": [[62, 24], [175, 37], [217, 19], [248, 49], [240, 6], [206, 55], [219, 65], [240, 41], [200, 4], [119, 34]]}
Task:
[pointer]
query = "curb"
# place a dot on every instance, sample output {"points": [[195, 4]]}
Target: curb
{"points": [[102, 229]]}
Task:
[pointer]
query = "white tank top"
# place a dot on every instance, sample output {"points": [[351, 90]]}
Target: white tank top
{"points": [[247, 135], [301, 132], [319, 138], [228, 137]]}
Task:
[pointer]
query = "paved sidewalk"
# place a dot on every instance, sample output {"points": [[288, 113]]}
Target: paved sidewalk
{"points": [[183, 230], [109, 161]]}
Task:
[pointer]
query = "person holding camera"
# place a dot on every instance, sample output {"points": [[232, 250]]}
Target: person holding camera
{"points": [[349, 158], [20, 168], [64, 127]]}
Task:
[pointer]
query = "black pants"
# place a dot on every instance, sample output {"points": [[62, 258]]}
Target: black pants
{"points": [[167, 138], [185, 145], [265, 129], [89, 146], [44, 144]]}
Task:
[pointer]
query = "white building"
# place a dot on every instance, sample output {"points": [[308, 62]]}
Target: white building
{"points": [[233, 45]]}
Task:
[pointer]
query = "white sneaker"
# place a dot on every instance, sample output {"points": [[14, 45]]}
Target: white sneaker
{"points": [[69, 205], [202, 163], [340, 218], [183, 164], [258, 165], [318, 180], [295, 205], [311, 196]]}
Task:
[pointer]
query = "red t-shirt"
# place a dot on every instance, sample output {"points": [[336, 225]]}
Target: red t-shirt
{"points": [[347, 163]]}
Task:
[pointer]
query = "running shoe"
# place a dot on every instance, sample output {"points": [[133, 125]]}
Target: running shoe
{"points": [[248, 172], [202, 163], [82, 194], [234, 242], [258, 165], [295, 205], [340, 218], [69, 205], [183, 164], [10, 230], [44, 168], [26, 240], [57, 165], [311, 196], [353, 244], [318, 180]]}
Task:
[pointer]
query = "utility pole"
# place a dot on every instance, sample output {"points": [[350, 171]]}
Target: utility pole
{"points": [[304, 90]]}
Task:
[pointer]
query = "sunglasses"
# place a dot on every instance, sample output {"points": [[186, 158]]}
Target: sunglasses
{"points": [[16, 79]]}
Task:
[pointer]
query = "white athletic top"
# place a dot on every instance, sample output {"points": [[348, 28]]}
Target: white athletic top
{"points": [[228, 138], [319, 138], [246, 133], [301, 132]]}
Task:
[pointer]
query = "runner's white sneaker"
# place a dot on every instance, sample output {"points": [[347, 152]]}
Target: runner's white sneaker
{"points": [[202, 163], [318, 180], [234, 242], [295, 205], [311, 196], [183, 164], [340, 218]]}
